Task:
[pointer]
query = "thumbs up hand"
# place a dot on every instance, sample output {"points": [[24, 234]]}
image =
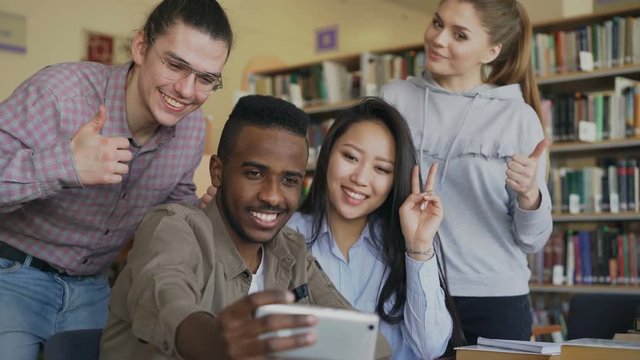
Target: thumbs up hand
{"points": [[521, 176], [99, 159]]}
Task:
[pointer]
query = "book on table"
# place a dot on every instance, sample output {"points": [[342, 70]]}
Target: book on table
{"points": [[480, 352], [536, 347]]}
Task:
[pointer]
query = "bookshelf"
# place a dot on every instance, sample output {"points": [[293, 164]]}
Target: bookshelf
{"points": [[584, 289], [572, 147], [596, 217], [593, 177], [593, 118], [324, 87]]}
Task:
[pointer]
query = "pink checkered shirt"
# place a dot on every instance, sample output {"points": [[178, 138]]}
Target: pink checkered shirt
{"points": [[44, 210]]}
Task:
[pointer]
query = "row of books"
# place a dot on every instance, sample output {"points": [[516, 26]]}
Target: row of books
{"points": [[614, 42], [595, 116], [331, 82], [607, 255], [315, 136], [614, 186], [327, 82], [379, 69]]}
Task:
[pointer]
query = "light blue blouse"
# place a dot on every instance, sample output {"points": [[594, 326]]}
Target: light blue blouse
{"points": [[427, 325]]}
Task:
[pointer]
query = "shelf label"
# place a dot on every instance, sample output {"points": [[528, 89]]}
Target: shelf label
{"points": [[597, 200], [586, 61], [586, 131], [574, 203], [614, 202], [557, 277]]}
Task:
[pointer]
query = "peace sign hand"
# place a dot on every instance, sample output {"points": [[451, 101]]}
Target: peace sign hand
{"points": [[420, 215]]}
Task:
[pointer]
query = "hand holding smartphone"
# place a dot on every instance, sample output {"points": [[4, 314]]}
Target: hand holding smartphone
{"points": [[340, 334]]}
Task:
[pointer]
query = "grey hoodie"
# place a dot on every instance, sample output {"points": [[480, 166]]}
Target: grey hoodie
{"points": [[472, 135]]}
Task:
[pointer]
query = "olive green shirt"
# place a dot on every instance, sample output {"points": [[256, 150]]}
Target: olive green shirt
{"points": [[184, 261]]}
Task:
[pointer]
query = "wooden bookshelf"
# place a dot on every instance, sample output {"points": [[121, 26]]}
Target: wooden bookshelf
{"points": [[578, 146], [599, 217], [326, 108], [572, 22], [560, 88], [585, 289], [589, 75]]}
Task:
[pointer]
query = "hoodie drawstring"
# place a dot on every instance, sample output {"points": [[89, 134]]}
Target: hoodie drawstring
{"points": [[424, 132]]}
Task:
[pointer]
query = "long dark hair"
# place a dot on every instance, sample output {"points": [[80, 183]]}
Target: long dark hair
{"points": [[389, 241]]}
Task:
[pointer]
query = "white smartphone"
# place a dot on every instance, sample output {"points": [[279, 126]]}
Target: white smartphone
{"points": [[341, 334]]}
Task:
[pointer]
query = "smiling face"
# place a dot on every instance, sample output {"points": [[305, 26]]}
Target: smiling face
{"points": [[159, 100], [361, 170], [456, 43], [260, 183]]}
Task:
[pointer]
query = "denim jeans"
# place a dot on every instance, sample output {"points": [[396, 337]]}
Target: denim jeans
{"points": [[35, 305]]}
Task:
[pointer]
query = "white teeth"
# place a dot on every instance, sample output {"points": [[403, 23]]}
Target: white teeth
{"points": [[264, 217], [353, 195], [173, 102]]}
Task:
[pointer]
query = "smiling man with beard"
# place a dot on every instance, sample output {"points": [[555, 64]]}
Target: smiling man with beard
{"points": [[195, 277]]}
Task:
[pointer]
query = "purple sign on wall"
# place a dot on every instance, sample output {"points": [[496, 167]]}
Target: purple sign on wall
{"points": [[327, 39]]}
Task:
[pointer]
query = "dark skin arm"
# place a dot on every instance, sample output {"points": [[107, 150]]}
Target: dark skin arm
{"points": [[234, 332]]}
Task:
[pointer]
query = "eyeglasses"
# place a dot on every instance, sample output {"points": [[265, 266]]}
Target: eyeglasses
{"points": [[175, 70]]}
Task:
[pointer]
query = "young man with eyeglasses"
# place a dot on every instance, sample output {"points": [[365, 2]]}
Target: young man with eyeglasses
{"points": [[85, 151]]}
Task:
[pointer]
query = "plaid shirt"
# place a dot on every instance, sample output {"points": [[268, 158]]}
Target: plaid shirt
{"points": [[44, 209]]}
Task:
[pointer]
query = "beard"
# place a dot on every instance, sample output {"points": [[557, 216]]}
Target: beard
{"points": [[235, 226]]}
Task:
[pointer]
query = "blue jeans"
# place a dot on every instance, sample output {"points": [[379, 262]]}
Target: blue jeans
{"points": [[35, 305]]}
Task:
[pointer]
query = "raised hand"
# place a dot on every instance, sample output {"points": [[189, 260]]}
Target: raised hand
{"points": [[521, 176], [241, 330], [206, 199], [99, 159], [420, 215]]}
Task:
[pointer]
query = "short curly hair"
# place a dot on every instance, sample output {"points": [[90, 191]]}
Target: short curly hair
{"points": [[261, 111]]}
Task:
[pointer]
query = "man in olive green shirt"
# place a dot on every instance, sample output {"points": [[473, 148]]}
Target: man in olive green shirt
{"points": [[183, 292]]}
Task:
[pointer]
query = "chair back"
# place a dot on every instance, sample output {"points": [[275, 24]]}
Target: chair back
{"points": [[601, 315]]}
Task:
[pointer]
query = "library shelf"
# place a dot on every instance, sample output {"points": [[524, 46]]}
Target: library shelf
{"points": [[596, 217], [588, 75], [325, 108], [585, 289], [579, 146]]}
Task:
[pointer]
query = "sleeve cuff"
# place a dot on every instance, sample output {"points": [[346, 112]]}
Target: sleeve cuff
{"points": [[534, 219], [422, 276], [55, 169]]}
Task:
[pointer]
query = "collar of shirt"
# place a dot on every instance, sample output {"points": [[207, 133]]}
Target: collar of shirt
{"points": [[274, 251], [326, 240]]}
